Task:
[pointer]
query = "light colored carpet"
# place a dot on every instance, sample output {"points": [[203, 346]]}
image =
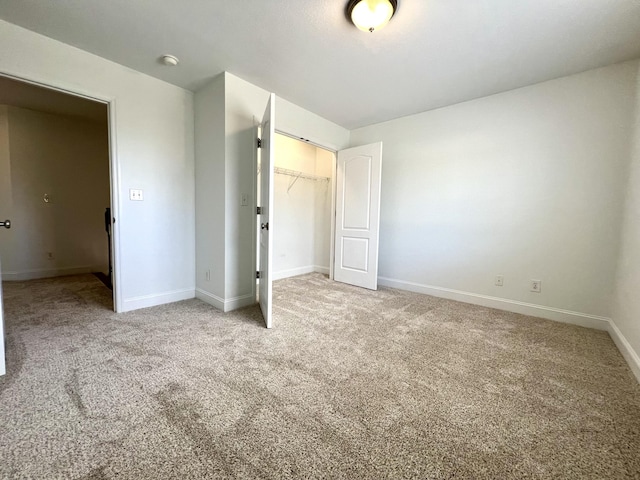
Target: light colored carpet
{"points": [[349, 384]]}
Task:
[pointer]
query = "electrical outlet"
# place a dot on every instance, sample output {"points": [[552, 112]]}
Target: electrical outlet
{"points": [[536, 286], [499, 280]]}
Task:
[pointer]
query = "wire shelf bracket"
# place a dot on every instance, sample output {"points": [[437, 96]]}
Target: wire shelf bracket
{"points": [[298, 175]]}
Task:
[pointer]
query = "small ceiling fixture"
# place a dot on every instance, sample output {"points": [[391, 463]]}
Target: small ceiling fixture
{"points": [[371, 15], [169, 60]]}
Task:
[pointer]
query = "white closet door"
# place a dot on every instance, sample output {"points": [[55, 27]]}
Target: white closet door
{"points": [[265, 292], [3, 369], [358, 215]]}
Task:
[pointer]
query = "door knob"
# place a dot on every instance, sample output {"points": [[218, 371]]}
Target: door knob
{"points": [[264, 226], [6, 224]]}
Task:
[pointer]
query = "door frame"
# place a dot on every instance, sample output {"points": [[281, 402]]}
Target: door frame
{"points": [[114, 167], [334, 171]]}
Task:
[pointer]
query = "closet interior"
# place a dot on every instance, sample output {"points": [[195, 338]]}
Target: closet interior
{"points": [[302, 183]]}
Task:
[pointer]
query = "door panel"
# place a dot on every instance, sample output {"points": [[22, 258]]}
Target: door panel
{"points": [[357, 195], [355, 253], [358, 215], [265, 292]]}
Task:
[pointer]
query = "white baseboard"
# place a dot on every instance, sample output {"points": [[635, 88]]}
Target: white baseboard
{"points": [[550, 313], [625, 348], [12, 276], [210, 298], [153, 300], [226, 305], [319, 269], [294, 272], [239, 302]]}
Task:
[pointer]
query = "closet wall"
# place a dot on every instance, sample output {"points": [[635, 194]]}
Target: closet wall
{"points": [[302, 208]]}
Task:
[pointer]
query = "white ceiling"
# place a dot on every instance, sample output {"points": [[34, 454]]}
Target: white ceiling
{"points": [[433, 52]]}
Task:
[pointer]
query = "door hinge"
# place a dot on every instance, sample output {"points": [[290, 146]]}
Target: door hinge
{"points": [[258, 211], [259, 143], [257, 274]]}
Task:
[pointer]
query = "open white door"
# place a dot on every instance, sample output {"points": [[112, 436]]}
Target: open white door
{"points": [[358, 215], [3, 368], [265, 292]]}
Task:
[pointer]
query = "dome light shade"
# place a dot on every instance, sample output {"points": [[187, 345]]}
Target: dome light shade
{"points": [[371, 15]]}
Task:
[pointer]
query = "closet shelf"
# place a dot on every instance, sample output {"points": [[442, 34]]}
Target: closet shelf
{"points": [[297, 175], [294, 173]]}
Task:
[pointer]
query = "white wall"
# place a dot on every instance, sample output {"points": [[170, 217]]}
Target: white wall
{"points": [[528, 184], [325, 165], [153, 147], [6, 198], [298, 122], [626, 305], [210, 190], [68, 159], [244, 106], [301, 227]]}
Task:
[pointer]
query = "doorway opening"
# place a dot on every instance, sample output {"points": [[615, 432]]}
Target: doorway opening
{"points": [[354, 216], [298, 177], [302, 195], [55, 184]]}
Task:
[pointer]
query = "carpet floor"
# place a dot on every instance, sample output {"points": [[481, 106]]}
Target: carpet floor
{"points": [[348, 384]]}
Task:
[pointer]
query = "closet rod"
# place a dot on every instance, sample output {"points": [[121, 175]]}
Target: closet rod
{"points": [[295, 173]]}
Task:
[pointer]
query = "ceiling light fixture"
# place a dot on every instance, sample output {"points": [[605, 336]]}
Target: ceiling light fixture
{"points": [[169, 60], [371, 15]]}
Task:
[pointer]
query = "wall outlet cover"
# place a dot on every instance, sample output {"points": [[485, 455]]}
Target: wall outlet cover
{"points": [[536, 286]]}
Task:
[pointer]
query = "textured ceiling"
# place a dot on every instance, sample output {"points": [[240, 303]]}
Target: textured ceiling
{"points": [[433, 52]]}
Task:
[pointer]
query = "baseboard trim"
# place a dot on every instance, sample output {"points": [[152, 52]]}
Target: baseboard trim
{"points": [[625, 348], [550, 313], [319, 269], [210, 298], [225, 305], [294, 272], [239, 302], [35, 274], [154, 300]]}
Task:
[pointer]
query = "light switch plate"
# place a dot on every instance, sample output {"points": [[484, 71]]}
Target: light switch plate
{"points": [[135, 195]]}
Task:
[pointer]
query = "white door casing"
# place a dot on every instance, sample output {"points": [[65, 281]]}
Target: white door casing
{"points": [[358, 180], [265, 292]]}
